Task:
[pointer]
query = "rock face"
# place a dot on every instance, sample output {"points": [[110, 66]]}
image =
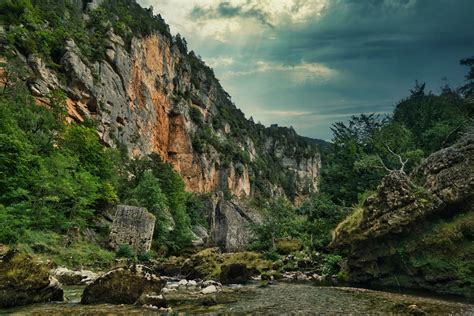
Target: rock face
{"points": [[24, 281], [155, 98], [230, 224], [123, 286], [417, 231], [132, 226]]}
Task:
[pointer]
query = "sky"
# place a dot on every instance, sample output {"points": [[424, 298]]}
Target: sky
{"points": [[310, 63]]}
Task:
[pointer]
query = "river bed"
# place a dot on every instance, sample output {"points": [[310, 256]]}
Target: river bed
{"points": [[277, 299]]}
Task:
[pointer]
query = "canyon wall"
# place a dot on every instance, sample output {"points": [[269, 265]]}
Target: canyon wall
{"points": [[156, 98]]}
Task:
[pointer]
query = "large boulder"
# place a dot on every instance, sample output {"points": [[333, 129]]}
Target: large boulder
{"points": [[417, 231], [25, 281], [230, 224], [123, 286], [132, 226]]}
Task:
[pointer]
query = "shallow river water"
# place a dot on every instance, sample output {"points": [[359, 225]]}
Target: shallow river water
{"points": [[282, 298]]}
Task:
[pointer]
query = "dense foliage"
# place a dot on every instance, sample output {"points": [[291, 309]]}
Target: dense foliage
{"points": [[369, 146], [42, 27]]}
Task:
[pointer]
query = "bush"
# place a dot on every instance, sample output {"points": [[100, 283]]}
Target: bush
{"points": [[124, 251]]}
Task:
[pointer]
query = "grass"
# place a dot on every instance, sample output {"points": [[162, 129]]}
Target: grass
{"points": [[350, 223], [51, 246]]}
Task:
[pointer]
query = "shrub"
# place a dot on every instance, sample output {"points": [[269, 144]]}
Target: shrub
{"points": [[124, 251]]}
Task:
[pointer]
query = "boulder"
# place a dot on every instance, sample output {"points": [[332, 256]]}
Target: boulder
{"points": [[230, 224], [70, 277], [235, 273], [416, 230], [209, 289], [24, 281], [123, 286], [132, 226]]}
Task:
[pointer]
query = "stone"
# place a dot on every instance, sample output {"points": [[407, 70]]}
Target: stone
{"points": [[201, 236], [132, 226], [24, 281], [183, 283], [209, 289], [234, 273], [123, 286], [230, 224], [70, 277], [152, 299], [415, 310], [211, 282], [192, 284]]}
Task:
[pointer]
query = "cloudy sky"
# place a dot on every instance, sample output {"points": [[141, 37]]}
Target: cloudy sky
{"points": [[310, 63]]}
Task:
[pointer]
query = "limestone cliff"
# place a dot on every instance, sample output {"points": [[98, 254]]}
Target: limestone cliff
{"points": [[417, 231], [150, 94]]}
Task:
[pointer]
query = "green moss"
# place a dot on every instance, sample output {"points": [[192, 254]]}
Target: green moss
{"points": [[351, 222], [287, 246]]}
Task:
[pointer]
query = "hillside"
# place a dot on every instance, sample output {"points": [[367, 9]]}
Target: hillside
{"points": [[145, 91]]}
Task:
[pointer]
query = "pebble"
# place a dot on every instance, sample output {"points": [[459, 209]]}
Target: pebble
{"points": [[192, 284], [209, 290]]}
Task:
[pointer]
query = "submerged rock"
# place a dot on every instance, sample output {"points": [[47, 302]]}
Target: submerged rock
{"points": [[123, 286], [25, 281]]}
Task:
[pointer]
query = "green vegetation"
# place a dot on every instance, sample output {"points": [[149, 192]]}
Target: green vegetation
{"points": [[42, 27], [57, 178], [286, 228], [369, 146]]}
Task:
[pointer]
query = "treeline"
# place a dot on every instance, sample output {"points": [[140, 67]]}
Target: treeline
{"points": [[361, 153], [56, 176]]}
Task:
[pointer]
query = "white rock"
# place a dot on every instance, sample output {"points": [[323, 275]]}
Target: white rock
{"points": [[209, 290], [167, 290], [192, 283]]}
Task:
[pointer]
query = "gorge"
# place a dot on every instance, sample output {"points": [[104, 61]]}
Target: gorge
{"points": [[129, 176]]}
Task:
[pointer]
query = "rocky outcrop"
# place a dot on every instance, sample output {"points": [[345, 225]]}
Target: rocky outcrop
{"points": [[123, 286], [230, 224], [417, 231], [25, 281], [132, 226]]}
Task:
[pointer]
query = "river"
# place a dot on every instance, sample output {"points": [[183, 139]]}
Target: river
{"points": [[281, 298]]}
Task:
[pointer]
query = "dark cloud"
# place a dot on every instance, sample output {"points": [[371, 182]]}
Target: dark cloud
{"points": [[227, 10], [377, 47]]}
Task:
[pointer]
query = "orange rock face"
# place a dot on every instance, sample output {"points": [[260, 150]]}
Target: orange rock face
{"points": [[145, 96]]}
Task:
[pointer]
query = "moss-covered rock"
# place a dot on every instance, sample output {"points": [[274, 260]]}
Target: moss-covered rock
{"points": [[24, 281], [123, 286], [417, 231], [234, 273], [207, 264]]}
